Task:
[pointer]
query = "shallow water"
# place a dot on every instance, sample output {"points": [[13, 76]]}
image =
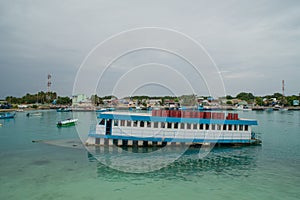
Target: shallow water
{"points": [[44, 171]]}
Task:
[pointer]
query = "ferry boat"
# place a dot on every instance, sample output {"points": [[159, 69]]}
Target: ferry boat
{"points": [[171, 127], [68, 122]]}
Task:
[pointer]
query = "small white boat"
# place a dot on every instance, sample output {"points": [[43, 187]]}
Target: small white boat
{"points": [[102, 110], [34, 114], [64, 110], [68, 122], [242, 108], [277, 107], [283, 109]]}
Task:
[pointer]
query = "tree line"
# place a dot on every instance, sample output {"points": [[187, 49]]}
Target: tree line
{"points": [[39, 98], [259, 100]]}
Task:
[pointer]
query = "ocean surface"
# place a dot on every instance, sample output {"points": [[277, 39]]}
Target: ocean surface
{"points": [[56, 167]]}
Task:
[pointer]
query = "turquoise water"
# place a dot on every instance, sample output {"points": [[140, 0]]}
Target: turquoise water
{"points": [[44, 171]]}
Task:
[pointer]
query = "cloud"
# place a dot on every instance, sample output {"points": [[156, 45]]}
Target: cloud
{"points": [[251, 40]]}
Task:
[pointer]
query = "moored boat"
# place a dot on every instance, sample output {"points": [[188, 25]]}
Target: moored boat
{"points": [[64, 110], [105, 109], [277, 107], [7, 116], [258, 108], [68, 122], [242, 108], [169, 127], [34, 114]]}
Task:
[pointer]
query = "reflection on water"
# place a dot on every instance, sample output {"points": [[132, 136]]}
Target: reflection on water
{"points": [[221, 161]]}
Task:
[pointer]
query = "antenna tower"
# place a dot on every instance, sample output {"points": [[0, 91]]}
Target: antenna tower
{"points": [[48, 86], [282, 87]]}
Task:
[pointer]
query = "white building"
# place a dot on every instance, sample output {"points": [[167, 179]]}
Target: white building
{"points": [[81, 100]]}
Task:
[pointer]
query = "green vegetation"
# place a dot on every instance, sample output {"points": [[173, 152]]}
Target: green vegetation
{"points": [[63, 100], [259, 101], [266, 100], [245, 96], [39, 98], [229, 102], [51, 97], [229, 97]]}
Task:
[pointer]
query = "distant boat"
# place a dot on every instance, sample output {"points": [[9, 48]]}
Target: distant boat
{"points": [[64, 110], [269, 110], [102, 110], [65, 123], [277, 107], [258, 108], [7, 116], [280, 108], [242, 107], [134, 108], [34, 114], [207, 108], [105, 109], [283, 109]]}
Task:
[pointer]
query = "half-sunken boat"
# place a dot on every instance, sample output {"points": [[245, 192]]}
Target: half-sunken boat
{"points": [[172, 127]]}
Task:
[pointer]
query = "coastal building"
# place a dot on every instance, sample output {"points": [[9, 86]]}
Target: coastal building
{"points": [[154, 102], [81, 100]]}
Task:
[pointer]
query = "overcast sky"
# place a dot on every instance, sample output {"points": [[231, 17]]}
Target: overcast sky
{"points": [[254, 44]]}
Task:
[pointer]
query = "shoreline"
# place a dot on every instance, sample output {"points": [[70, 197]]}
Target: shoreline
{"points": [[222, 108]]}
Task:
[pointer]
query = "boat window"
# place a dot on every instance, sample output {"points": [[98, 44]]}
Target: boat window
{"points": [[148, 124], [246, 127], [169, 125], [135, 123], [213, 127], [206, 126], [176, 125], [122, 123], [116, 122], [219, 127], [162, 125], [224, 127], [235, 127], [142, 123], [182, 125], [188, 126], [229, 127], [241, 127], [102, 122], [201, 127], [129, 123], [195, 126], [155, 124]]}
